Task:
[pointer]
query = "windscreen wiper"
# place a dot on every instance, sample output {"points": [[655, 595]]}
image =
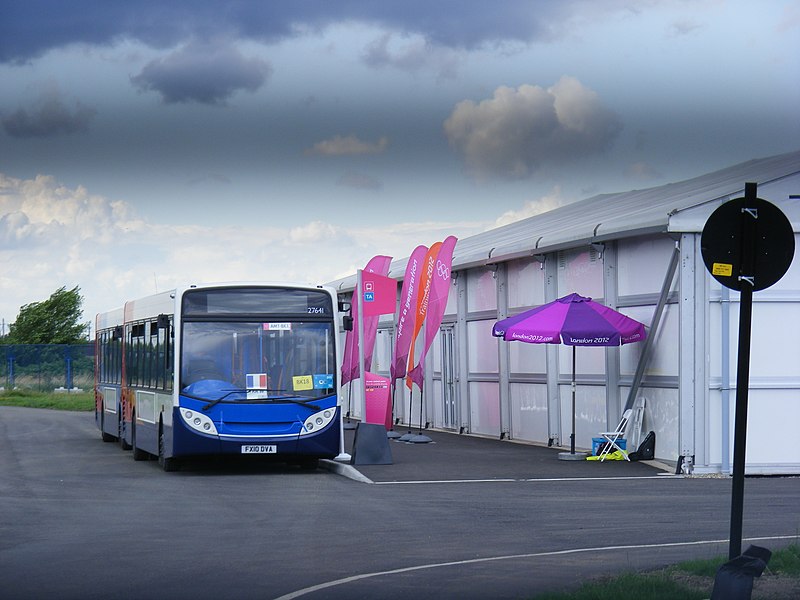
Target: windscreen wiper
{"points": [[292, 399], [295, 401], [217, 400]]}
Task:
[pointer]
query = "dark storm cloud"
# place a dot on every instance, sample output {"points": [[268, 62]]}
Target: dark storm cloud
{"points": [[50, 116], [208, 73], [32, 27]]}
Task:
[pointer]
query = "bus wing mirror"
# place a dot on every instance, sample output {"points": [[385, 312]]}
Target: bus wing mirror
{"points": [[347, 323], [163, 321]]}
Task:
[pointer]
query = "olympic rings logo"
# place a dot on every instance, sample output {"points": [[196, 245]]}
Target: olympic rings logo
{"points": [[442, 270]]}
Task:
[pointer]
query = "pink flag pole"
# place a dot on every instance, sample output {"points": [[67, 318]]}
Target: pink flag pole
{"points": [[360, 301]]}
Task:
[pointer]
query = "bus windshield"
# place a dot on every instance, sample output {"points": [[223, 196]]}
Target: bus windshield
{"points": [[257, 361]]}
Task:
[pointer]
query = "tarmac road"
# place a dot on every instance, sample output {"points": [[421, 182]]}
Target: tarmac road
{"points": [[80, 519]]}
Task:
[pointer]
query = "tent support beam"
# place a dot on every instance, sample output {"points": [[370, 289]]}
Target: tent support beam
{"points": [[651, 335]]}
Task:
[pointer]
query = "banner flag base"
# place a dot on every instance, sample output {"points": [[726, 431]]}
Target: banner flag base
{"points": [[371, 446], [419, 439], [572, 455], [393, 435]]}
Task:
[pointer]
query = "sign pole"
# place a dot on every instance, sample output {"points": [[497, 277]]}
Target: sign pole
{"points": [[747, 245], [749, 216]]}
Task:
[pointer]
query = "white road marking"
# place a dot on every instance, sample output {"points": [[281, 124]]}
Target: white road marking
{"points": [[600, 549], [531, 480]]}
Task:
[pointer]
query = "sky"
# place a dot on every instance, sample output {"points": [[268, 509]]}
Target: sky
{"points": [[148, 144]]}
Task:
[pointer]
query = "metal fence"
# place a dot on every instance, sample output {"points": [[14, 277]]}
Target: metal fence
{"points": [[47, 367]]}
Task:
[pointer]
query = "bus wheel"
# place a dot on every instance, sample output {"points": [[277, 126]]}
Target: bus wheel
{"points": [[168, 464], [121, 430], [107, 437], [138, 454]]}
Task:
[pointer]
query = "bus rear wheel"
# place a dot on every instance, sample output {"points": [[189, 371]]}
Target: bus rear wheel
{"points": [[121, 431], [169, 464], [138, 454]]}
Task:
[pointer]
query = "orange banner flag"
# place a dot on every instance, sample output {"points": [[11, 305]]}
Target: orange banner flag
{"points": [[428, 267]]}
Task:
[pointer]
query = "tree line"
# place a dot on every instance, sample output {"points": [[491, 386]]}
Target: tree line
{"points": [[56, 320]]}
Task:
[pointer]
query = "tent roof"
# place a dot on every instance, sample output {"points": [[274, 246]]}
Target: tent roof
{"points": [[682, 206]]}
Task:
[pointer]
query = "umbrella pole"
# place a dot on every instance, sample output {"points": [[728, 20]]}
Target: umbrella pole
{"points": [[572, 455], [572, 436]]}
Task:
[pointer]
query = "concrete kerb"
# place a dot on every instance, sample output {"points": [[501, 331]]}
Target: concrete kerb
{"points": [[345, 470]]}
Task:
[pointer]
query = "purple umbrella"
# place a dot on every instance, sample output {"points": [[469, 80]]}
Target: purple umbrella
{"points": [[573, 320]]}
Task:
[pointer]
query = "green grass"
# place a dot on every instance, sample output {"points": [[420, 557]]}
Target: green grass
{"points": [[684, 581], [82, 401], [631, 586], [786, 561]]}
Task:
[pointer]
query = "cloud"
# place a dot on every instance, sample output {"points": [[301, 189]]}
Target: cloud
{"points": [[203, 72], [314, 232], [518, 131], [31, 28], [347, 146], [684, 27], [53, 235], [415, 56], [642, 171], [790, 19], [49, 116], [359, 181], [533, 207]]}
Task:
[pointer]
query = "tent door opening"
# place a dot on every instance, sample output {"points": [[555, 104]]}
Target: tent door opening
{"points": [[448, 408]]}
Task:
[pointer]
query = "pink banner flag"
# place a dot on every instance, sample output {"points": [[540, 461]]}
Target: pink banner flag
{"points": [[407, 312], [377, 400], [380, 294], [428, 266], [380, 265], [437, 302]]}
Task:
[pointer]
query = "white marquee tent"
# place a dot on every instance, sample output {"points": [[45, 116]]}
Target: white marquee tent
{"points": [[638, 252]]}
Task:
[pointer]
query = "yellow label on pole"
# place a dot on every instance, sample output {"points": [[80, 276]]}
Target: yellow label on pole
{"points": [[303, 382], [722, 269]]}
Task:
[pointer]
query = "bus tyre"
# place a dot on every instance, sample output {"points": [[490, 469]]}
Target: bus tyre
{"points": [[121, 430], [138, 454], [107, 437], [168, 464]]}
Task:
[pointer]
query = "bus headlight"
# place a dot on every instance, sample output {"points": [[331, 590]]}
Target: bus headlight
{"points": [[198, 421], [318, 421]]}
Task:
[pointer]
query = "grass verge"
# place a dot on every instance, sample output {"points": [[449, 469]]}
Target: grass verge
{"points": [[690, 580], [82, 401]]}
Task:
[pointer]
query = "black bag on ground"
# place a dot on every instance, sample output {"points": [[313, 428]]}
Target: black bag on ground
{"points": [[647, 449], [734, 579]]}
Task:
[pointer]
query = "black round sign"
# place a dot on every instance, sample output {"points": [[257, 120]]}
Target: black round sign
{"points": [[745, 225]]}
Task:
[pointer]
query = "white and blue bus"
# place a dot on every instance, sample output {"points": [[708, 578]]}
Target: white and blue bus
{"points": [[222, 369]]}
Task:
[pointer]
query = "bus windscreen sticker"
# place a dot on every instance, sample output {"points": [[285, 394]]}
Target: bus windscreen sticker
{"points": [[323, 381], [302, 382], [277, 326], [257, 384]]}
